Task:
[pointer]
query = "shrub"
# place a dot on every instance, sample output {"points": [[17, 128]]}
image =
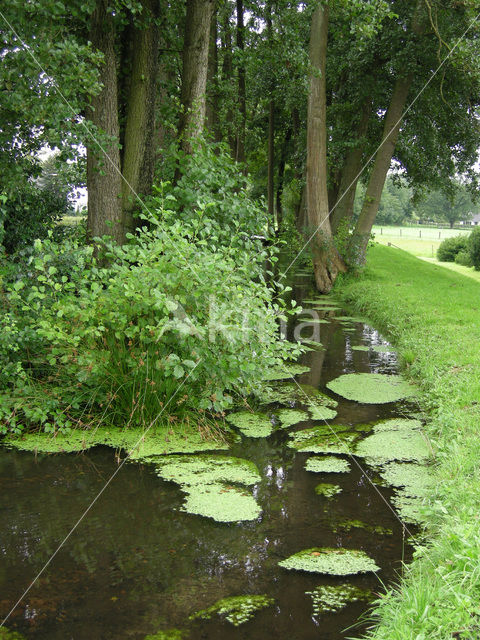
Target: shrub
{"points": [[174, 323], [449, 248], [474, 248], [463, 258]]}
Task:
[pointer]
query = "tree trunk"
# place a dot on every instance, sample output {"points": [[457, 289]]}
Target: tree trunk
{"points": [[327, 262], [271, 163], [104, 179], [342, 211], [212, 82], [281, 176], [242, 104], [194, 71], [391, 128], [139, 143]]}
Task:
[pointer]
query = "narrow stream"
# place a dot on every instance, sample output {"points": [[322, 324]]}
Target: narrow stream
{"points": [[137, 564]]}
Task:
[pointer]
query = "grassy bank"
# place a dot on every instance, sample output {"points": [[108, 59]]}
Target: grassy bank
{"points": [[433, 316]]}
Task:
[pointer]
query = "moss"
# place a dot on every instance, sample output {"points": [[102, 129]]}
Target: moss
{"points": [[329, 599], [371, 388], [141, 445], [289, 417], [251, 424], [236, 609], [286, 371], [327, 464], [316, 440], [332, 561], [207, 480], [169, 634], [348, 525], [327, 490], [406, 443]]}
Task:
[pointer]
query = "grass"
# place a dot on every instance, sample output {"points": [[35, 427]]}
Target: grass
{"points": [[421, 241], [432, 315]]}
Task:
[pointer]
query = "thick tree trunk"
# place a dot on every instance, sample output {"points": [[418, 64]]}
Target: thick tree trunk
{"points": [[271, 163], [391, 128], [139, 141], [327, 262], [194, 71], [242, 103], [342, 211], [212, 82], [104, 179]]}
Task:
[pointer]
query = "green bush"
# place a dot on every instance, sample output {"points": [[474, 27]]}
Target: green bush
{"points": [[474, 248], [175, 323], [463, 258], [449, 248]]}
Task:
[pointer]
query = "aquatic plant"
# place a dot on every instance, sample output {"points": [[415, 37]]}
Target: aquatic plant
{"points": [[236, 609], [348, 525], [251, 424], [415, 479], [169, 634], [332, 561], [378, 348], [318, 440], [327, 464], [329, 599], [327, 490], [289, 417], [285, 372], [406, 443], [6, 634], [371, 388], [294, 393], [207, 482]]}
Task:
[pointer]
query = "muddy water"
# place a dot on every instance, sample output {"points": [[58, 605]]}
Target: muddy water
{"points": [[137, 564]]}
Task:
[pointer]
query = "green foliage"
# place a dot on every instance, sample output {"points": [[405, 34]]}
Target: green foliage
{"points": [[448, 249], [174, 323], [335, 561], [464, 258], [473, 246], [236, 609]]}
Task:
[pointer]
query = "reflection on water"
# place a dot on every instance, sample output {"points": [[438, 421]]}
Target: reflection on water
{"points": [[137, 564]]}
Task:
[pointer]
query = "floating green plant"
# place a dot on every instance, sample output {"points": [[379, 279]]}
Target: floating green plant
{"points": [[332, 561], [327, 490], [406, 443], [312, 343], [294, 393], [236, 609], [286, 371], [415, 479], [348, 525], [409, 507], [141, 444], [207, 482], [289, 417], [321, 412], [169, 634], [318, 440], [6, 634], [251, 424], [371, 388], [327, 464], [397, 424], [310, 320], [329, 599]]}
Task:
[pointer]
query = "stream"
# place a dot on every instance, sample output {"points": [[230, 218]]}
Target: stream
{"points": [[137, 564]]}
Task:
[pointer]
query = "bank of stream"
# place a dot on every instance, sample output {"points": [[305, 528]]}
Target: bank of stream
{"points": [[140, 565]]}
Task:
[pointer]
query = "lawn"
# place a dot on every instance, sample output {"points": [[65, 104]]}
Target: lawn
{"points": [[433, 317], [421, 241]]}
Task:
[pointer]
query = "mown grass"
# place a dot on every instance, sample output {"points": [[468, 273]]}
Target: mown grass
{"points": [[433, 316], [421, 241]]}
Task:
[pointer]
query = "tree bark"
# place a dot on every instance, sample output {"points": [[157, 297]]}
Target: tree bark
{"points": [[242, 103], [104, 179], [139, 142], [194, 71], [327, 262], [391, 128], [271, 162], [212, 82], [281, 176], [342, 211]]}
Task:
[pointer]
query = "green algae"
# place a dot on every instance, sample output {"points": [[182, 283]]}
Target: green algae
{"points": [[348, 525], [286, 371], [310, 320], [329, 599], [313, 344], [332, 561], [141, 444], [251, 424], [289, 417], [236, 609], [377, 348], [294, 393], [327, 490], [169, 634], [6, 634], [414, 479], [397, 424], [321, 412], [371, 388], [317, 440], [327, 464], [396, 444], [207, 480]]}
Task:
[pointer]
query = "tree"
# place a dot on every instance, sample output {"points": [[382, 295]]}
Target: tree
{"points": [[446, 207]]}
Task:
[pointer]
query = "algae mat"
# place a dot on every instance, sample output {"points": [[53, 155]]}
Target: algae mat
{"points": [[371, 388], [331, 561]]}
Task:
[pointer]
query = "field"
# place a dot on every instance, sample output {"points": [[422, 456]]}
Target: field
{"points": [[423, 242]]}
